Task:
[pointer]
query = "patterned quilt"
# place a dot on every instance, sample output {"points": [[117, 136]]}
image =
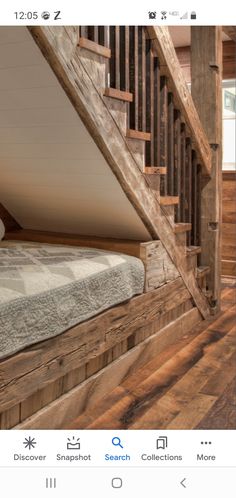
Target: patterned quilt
{"points": [[46, 289]]}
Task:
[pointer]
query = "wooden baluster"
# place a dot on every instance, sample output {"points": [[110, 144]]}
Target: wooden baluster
{"points": [[188, 185], [84, 31], [163, 132], [199, 197], [115, 57], [133, 64], [124, 58], [157, 114], [149, 146], [142, 78], [112, 59], [93, 33], [194, 200], [170, 154], [103, 35], [124, 63], [103, 39], [182, 169], [177, 161]]}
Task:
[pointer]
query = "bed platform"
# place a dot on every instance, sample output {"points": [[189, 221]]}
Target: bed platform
{"points": [[47, 384]]}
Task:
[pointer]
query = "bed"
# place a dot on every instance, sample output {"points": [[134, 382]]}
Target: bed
{"points": [[77, 314], [47, 289]]}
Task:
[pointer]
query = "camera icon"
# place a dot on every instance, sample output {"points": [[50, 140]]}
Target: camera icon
{"points": [[45, 15]]}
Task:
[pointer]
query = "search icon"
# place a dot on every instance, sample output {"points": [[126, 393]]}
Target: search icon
{"points": [[117, 442]]}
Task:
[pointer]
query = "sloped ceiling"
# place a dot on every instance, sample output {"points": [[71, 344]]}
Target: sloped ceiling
{"points": [[52, 175]]}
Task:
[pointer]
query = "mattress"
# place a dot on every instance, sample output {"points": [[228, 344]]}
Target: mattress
{"points": [[46, 289]]}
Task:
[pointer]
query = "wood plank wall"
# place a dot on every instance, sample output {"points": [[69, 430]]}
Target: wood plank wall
{"points": [[229, 224], [229, 60]]}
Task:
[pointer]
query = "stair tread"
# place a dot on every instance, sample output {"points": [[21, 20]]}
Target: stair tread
{"points": [[139, 135], [182, 227], [202, 270], [192, 250], [169, 200], [208, 293], [155, 170], [94, 47], [118, 94]]}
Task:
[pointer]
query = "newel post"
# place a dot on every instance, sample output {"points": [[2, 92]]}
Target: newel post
{"points": [[206, 66]]}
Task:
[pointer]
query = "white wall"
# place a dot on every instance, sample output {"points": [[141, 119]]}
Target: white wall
{"points": [[52, 175]]}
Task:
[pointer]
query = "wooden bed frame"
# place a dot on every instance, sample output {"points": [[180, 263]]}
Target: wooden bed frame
{"points": [[48, 384]]}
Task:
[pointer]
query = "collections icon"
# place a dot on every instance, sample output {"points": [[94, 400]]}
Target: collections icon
{"points": [[162, 443]]}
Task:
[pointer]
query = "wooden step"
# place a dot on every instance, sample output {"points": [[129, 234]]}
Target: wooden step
{"points": [[94, 47], [208, 294], [169, 200], [155, 170], [182, 227], [193, 250], [202, 271], [118, 94], [139, 135]]}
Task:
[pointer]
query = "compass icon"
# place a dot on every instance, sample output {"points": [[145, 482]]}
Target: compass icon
{"points": [[29, 442]]}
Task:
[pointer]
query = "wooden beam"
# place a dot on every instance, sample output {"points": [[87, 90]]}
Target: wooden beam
{"points": [[207, 95], [170, 66], [131, 247], [230, 31], [73, 74], [8, 220]]}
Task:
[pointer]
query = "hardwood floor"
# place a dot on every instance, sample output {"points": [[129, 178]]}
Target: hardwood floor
{"points": [[191, 385]]}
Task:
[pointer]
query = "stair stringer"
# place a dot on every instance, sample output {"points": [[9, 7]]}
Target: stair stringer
{"points": [[59, 46]]}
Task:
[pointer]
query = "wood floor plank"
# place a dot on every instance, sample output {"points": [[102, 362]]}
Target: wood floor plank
{"points": [[193, 413], [185, 390], [222, 415], [217, 383], [191, 384]]}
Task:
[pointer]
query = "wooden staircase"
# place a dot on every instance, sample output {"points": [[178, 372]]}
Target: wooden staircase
{"points": [[126, 82]]}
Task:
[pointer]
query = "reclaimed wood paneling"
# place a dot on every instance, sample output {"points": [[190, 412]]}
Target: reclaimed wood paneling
{"points": [[47, 361], [229, 60], [60, 413], [229, 224]]}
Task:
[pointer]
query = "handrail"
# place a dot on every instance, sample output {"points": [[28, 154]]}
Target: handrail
{"points": [[170, 66], [143, 66]]}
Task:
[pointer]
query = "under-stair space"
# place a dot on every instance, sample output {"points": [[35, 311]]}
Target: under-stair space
{"points": [[159, 136], [102, 151]]}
